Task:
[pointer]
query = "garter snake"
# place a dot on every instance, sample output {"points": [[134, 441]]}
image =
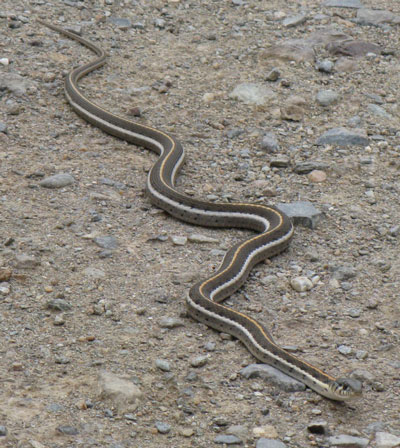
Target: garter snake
{"points": [[274, 232]]}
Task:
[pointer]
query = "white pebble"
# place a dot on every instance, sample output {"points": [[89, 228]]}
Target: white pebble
{"points": [[4, 61], [301, 284]]}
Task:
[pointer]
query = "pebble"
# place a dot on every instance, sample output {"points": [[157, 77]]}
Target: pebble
{"points": [[170, 322], [57, 181], [15, 84], [317, 176], [343, 3], [179, 240], [198, 238], [269, 143], [3, 431], [67, 430], [187, 432], [301, 284], [367, 16], [345, 350], [24, 261], [267, 431], [3, 127], [275, 376], [199, 361], [378, 111], [251, 93], [302, 212], [309, 166], [5, 289], [120, 22], [163, 428], [386, 440], [227, 439], [295, 20], [239, 431], [318, 427], [269, 443], [4, 61], [343, 137], [273, 75], [327, 97], [5, 274], [123, 394], [325, 66], [163, 365], [106, 242], [280, 161], [345, 440], [58, 305], [59, 320]]}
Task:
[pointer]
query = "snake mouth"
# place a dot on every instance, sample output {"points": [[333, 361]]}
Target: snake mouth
{"points": [[346, 388]]}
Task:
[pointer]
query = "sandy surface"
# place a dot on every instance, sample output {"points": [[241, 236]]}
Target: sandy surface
{"points": [[178, 64]]}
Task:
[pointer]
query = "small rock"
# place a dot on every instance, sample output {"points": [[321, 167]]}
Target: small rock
{"points": [[302, 212], [267, 431], [67, 430], [275, 376], [378, 111], [106, 242], [179, 240], [367, 16], [123, 394], [163, 428], [3, 431], [343, 3], [343, 137], [3, 127], [187, 432], [318, 427], [170, 322], [307, 167], [345, 441], [386, 440], [280, 162], [198, 238], [24, 261], [345, 350], [301, 284], [59, 320], [199, 361], [57, 181], [163, 365], [269, 143], [5, 289], [252, 94], [291, 21], [120, 22], [327, 97], [5, 274], [269, 443], [273, 75], [227, 439], [325, 66], [317, 176]]}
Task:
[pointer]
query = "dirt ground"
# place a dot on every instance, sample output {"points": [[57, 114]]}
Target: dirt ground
{"points": [[74, 304]]}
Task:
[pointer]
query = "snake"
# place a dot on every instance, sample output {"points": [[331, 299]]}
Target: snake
{"points": [[273, 232]]}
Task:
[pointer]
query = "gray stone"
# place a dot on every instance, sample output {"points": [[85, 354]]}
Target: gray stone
{"points": [[311, 165], [291, 21], [163, 365], [159, 23], [269, 443], [227, 439], [273, 75], [343, 4], [163, 428], [325, 66], [106, 242], [57, 181], [343, 137], [3, 127], [378, 111], [170, 322], [67, 430], [343, 272], [199, 361], [302, 213], [14, 83], [120, 22], [345, 350], [58, 305], [25, 261], [386, 440], [346, 441], [275, 376], [251, 93], [327, 97], [367, 16], [3, 431], [269, 143]]}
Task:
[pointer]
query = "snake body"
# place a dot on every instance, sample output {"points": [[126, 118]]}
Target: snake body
{"points": [[274, 232]]}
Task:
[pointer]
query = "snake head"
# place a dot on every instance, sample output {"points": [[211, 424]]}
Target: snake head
{"points": [[346, 388]]}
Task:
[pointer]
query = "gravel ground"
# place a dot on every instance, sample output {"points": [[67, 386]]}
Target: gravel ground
{"points": [[97, 350]]}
